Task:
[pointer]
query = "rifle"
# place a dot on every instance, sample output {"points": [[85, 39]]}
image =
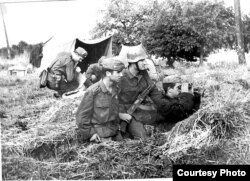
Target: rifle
{"points": [[135, 105], [140, 98]]}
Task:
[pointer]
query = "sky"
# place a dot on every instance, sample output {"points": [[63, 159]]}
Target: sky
{"points": [[37, 22]]}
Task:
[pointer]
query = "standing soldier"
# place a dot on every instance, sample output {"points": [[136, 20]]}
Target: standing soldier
{"points": [[63, 73], [97, 116]]}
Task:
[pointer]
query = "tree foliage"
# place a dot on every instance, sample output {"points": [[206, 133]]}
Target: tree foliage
{"points": [[190, 29], [172, 29], [126, 20]]}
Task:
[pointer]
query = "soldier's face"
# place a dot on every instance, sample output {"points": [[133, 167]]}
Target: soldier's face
{"points": [[142, 64], [116, 76], [174, 92]]}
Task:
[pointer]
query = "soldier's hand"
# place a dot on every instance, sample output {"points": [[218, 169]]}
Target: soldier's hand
{"points": [[96, 138], [93, 77], [78, 69], [125, 117]]}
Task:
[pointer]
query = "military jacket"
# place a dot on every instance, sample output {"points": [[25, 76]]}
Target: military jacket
{"points": [[98, 112], [132, 86], [186, 104], [94, 69], [63, 64]]}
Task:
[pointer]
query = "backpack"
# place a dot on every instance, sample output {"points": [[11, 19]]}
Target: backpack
{"points": [[43, 78]]}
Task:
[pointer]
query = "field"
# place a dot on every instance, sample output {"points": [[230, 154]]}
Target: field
{"points": [[38, 139]]}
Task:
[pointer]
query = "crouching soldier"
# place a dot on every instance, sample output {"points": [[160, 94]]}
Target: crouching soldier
{"points": [[186, 103], [63, 73], [97, 116], [94, 73]]}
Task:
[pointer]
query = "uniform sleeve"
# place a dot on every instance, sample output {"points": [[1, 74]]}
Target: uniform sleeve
{"points": [[84, 115], [70, 71], [122, 108]]}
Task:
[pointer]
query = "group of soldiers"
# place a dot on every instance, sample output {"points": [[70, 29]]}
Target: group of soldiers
{"points": [[120, 99]]}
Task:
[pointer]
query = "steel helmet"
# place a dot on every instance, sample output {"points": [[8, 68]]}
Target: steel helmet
{"points": [[136, 54]]}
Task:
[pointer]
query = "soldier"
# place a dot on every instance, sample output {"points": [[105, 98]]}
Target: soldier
{"points": [[94, 73], [133, 83], [97, 116], [63, 73], [186, 104]]}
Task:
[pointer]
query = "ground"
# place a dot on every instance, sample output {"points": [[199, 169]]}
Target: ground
{"points": [[38, 139]]}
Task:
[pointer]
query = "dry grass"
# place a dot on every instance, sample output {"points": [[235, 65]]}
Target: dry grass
{"points": [[39, 140]]}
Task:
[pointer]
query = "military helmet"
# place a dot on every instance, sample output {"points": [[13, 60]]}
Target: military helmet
{"points": [[134, 55], [113, 63]]}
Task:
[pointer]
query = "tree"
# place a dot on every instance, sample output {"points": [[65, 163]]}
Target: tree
{"points": [[185, 30], [246, 32], [125, 20], [240, 41], [167, 36], [211, 21]]}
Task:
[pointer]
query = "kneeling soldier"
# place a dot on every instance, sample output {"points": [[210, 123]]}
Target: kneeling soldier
{"points": [[98, 114]]}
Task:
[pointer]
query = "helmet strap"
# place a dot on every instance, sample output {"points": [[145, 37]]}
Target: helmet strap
{"points": [[137, 66]]}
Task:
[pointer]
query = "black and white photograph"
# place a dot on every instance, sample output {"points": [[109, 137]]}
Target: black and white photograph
{"points": [[125, 89]]}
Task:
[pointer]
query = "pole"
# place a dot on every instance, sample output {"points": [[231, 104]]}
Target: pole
{"points": [[6, 36], [240, 41]]}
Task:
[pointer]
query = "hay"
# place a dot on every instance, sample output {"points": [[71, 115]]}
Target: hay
{"points": [[224, 116], [215, 134]]}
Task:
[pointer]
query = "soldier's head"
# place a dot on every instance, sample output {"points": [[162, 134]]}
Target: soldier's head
{"points": [[136, 58], [112, 68], [172, 86], [101, 59], [79, 54]]}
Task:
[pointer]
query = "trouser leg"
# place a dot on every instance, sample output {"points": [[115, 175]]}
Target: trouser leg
{"points": [[137, 129]]}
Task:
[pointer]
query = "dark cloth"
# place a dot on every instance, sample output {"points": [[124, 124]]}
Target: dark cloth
{"points": [[186, 104], [93, 69], [61, 86], [131, 87], [98, 112], [62, 76]]}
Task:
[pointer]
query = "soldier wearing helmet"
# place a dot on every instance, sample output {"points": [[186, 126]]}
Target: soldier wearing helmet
{"points": [[94, 72], [134, 81], [97, 116], [63, 73]]}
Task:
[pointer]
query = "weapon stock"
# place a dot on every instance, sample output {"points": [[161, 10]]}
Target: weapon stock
{"points": [[140, 98]]}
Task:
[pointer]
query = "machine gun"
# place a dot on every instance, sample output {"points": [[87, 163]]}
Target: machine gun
{"points": [[140, 98], [135, 105]]}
